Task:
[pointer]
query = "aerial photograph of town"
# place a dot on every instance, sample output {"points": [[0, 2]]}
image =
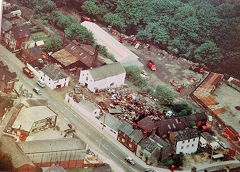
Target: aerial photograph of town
{"points": [[119, 85]]}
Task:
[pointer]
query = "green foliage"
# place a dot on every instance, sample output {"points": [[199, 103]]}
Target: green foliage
{"points": [[77, 32], [45, 6], [164, 95], [63, 21], [103, 50], [52, 45], [28, 3], [208, 52], [115, 20], [183, 109], [133, 74]]}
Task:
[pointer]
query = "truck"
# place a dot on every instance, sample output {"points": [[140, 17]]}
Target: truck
{"points": [[151, 65], [28, 72]]}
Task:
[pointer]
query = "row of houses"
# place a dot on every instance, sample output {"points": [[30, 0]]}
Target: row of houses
{"points": [[152, 141]]}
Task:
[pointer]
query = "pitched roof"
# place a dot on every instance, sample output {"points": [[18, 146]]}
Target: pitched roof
{"points": [[74, 52], [197, 117], [54, 72], [153, 142], [126, 128], [208, 137], [111, 121], [88, 106], [136, 136], [171, 125], [27, 116], [186, 134], [107, 71], [52, 145], [6, 25], [34, 51], [20, 32], [146, 124]]}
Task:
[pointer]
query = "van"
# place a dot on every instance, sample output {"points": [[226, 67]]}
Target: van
{"points": [[28, 72]]}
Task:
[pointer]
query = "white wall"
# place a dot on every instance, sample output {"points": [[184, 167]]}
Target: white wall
{"points": [[113, 81], [187, 146], [51, 83], [35, 72]]}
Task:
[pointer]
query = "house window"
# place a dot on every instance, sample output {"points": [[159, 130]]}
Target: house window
{"points": [[192, 145], [86, 78], [183, 141], [188, 141], [187, 146], [112, 84], [130, 145], [193, 139], [123, 140], [141, 154], [181, 147]]}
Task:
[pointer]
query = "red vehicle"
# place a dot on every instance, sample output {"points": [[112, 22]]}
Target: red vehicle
{"points": [[28, 72], [151, 65], [231, 133], [85, 18]]}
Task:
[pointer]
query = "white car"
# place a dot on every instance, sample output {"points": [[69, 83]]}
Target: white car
{"points": [[41, 84], [38, 91], [130, 160]]}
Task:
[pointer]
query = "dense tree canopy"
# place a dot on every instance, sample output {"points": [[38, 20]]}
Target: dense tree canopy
{"points": [[205, 31]]}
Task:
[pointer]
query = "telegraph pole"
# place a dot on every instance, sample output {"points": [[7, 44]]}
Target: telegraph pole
{"points": [[1, 12]]}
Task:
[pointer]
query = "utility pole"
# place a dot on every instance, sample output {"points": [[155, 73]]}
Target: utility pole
{"points": [[1, 12]]}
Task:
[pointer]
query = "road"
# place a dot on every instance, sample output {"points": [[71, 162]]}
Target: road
{"points": [[101, 143]]}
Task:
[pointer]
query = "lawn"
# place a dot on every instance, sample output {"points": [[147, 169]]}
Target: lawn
{"points": [[39, 36]]}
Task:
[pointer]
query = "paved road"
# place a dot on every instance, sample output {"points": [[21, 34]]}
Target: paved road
{"points": [[107, 148]]}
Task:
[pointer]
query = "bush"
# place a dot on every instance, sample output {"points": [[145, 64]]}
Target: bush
{"points": [[52, 45], [183, 109], [133, 74], [164, 95]]}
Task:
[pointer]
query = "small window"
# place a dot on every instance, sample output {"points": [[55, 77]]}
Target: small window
{"points": [[188, 141], [130, 145], [183, 141], [123, 140], [192, 145], [187, 146], [193, 139], [181, 147]]}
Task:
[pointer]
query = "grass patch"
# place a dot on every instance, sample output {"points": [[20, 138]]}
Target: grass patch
{"points": [[39, 36]]}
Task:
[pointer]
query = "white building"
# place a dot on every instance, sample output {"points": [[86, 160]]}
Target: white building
{"points": [[85, 107], [186, 141], [108, 76], [110, 124], [53, 77]]}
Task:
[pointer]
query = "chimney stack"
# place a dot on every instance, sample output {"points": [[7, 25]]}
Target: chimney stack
{"points": [[95, 55]]}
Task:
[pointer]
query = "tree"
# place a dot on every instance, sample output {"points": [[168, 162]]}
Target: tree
{"points": [[183, 109], [208, 52], [63, 21], [54, 17], [45, 6], [52, 45], [78, 32], [164, 95], [115, 20]]}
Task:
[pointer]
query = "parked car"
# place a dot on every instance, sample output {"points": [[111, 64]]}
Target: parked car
{"points": [[41, 84], [224, 145], [38, 91], [149, 170], [77, 89], [151, 65], [28, 72], [130, 160]]}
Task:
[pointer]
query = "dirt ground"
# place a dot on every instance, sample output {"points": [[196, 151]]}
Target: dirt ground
{"points": [[196, 159]]}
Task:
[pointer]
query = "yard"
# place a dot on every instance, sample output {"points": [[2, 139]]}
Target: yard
{"points": [[38, 36]]}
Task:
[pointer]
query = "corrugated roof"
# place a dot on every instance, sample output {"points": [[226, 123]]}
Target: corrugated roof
{"points": [[126, 128], [87, 105], [136, 136], [74, 52], [204, 91], [107, 71], [186, 134], [111, 121], [54, 72], [118, 50]]}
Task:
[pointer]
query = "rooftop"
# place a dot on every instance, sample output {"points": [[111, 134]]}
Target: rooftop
{"points": [[74, 52], [126, 128], [208, 137], [20, 32], [146, 124], [170, 125], [153, 142], [107, 71], [136, 136], [186, 134], [111, 121], [6, 25], [35, 51], [87, 105], [54, 72], [27, 116], [52, 145], [118, 50]]}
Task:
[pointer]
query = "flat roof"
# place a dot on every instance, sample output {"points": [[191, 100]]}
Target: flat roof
{"points": [[27, 116], [118, 50]]}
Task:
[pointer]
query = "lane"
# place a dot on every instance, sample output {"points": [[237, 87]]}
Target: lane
{"points": [[98, 141]]}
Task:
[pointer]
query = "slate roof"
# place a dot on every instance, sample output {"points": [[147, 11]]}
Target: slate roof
{"points": [[20, 32], [126, 128], [107, 71], [186, 134], [146, 124], [136, 136], [52, 145], [6, 25], [170, 125], [153, 142], [35, 51], [54, 72], [111, 121]]}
